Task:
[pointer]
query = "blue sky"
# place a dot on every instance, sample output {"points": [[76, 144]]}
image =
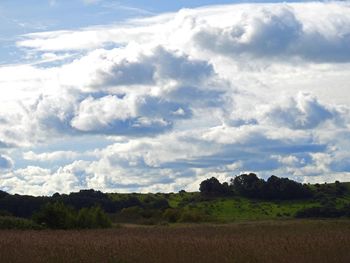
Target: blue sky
{"points": [[148, 96]]}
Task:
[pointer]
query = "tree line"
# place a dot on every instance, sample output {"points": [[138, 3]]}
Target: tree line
{"points": [[249, 185], [83, 209], [95, 209]]}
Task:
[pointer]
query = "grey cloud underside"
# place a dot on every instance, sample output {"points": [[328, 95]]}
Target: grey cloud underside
{"points": [[304, 112], [162, 64], [197, 96], [279, 35], [152, 116], [131, 127], [127, 112], [119, 74], [257, 155]]}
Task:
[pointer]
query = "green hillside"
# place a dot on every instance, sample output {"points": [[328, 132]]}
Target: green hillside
{"points": [[237, 208]]}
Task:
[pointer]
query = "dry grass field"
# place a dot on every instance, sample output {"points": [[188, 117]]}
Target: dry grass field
{"points": [[275, 241]]}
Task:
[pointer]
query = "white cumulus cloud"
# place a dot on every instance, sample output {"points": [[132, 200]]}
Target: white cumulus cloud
{"points": [[161, 103]]}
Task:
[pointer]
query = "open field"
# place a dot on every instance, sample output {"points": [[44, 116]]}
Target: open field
{"points": [[268, 241]]}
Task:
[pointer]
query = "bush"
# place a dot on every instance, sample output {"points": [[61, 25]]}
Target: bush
{"points": [[59, 216], [131, 213], [320, 212], [93, 217], [56, 216], [9, 222], [192, 217], [172, 215], [155, 202]]}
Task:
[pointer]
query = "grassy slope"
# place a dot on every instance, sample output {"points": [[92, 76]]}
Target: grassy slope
{"points": [[238, 208], [228, 209]]}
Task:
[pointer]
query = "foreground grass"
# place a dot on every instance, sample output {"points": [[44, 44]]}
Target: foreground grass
{"points": [[269, 241]]}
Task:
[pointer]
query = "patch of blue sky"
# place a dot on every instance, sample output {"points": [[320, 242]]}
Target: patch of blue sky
{"points": [[18, 18], [78, 143]]}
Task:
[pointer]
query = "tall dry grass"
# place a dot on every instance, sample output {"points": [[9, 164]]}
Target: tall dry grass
{"points": [[290, 241]]}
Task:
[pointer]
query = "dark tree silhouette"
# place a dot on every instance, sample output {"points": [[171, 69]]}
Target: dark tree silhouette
{"points": [[284, 188], [248, 185], [212, 187]]}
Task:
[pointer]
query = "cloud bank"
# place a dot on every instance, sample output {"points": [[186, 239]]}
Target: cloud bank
{"points": [[160, 103]]}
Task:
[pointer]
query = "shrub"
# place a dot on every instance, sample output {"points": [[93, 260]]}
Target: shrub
{"points": [[9, 222], [320, 212], [192, 217], [93, 217], [131, 213], [155, 202], [59, 216], [172, 215], [56, 216]]}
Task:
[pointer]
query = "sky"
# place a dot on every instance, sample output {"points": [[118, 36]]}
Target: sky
{"points": [[156, 96]]}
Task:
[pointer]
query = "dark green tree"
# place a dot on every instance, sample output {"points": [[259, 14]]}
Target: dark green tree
{"points": [[248, 185], [284, 188], [212, 187]]}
